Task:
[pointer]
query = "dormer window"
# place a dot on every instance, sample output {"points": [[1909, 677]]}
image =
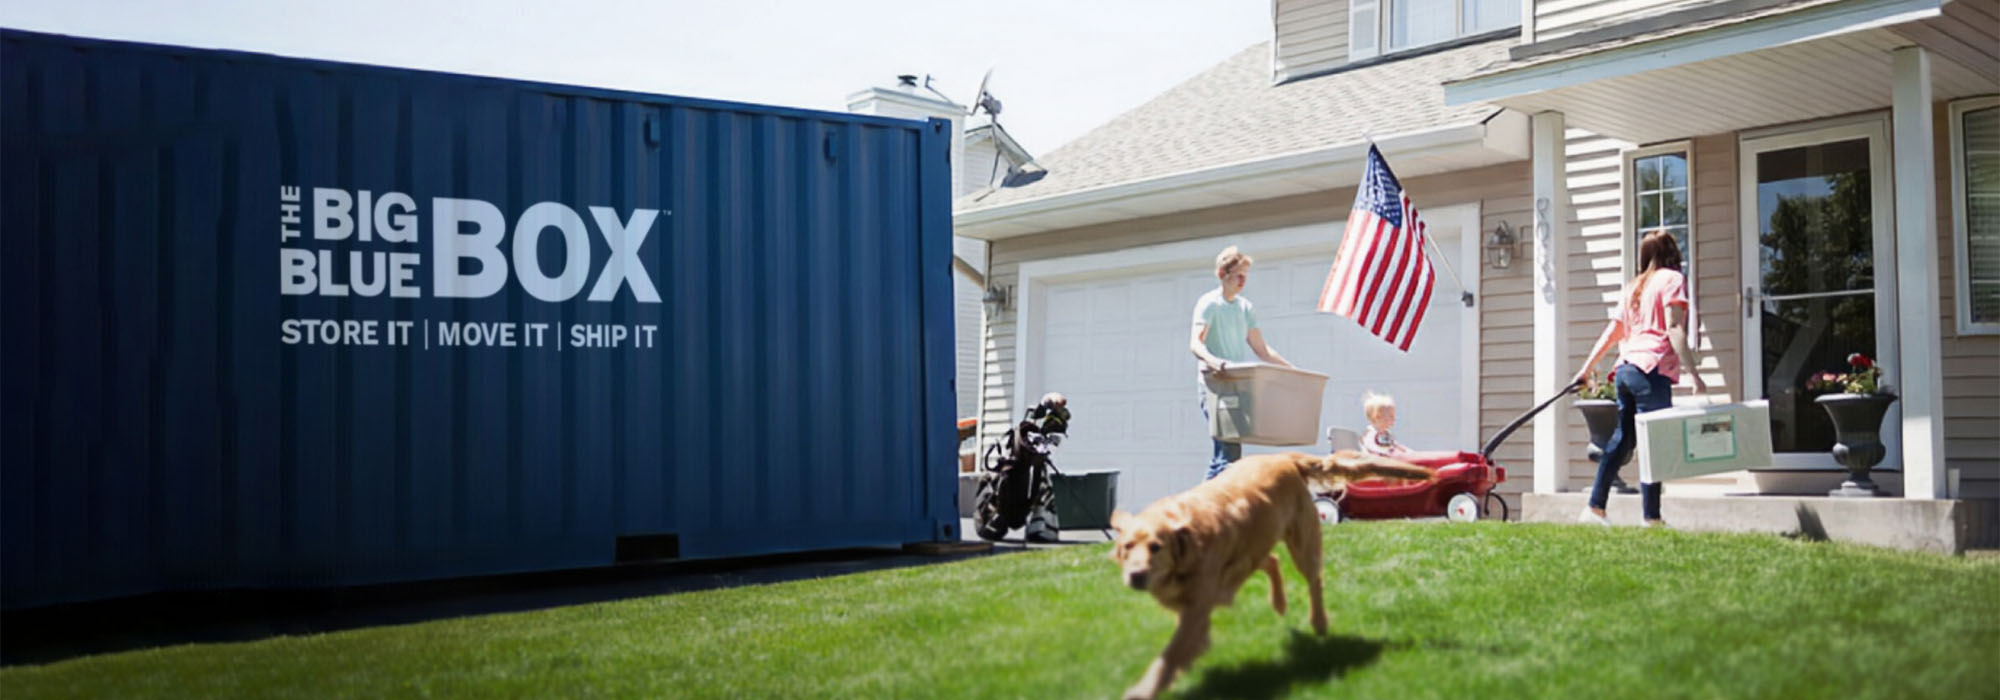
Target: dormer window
{"points": [[1378, 27]]}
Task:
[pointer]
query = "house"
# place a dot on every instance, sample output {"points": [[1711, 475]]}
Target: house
{"points": [[1831, 163], [1535, 139], [1104, 253]]}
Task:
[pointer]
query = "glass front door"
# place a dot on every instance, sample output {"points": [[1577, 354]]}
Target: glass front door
{"points": [[1818, 220]]}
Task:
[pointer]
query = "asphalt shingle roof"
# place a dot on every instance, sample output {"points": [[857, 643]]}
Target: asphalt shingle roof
{"points": [[1231, 113]]}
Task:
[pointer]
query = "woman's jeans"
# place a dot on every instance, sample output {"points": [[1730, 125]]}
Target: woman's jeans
{"points": [[1638, 392], [1224, 452]]}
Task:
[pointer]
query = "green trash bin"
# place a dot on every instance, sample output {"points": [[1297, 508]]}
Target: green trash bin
{"points": [[1084, 500]]}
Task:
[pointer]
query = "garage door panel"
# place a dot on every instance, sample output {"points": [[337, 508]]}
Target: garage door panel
{"points": [[1111, 308], [1068, 309], [1307, 343], [1190, 288], [1156, 360], [1154, 302], [1159, 420], [1065, 363], [1111, 422], [1111, 362], [1303, 283]]}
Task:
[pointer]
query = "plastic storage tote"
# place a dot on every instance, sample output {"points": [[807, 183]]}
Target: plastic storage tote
{"points": [[1260, 404]]}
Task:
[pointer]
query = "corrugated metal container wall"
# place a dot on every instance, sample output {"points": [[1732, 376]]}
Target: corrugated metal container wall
{"points": [[527, 367]]}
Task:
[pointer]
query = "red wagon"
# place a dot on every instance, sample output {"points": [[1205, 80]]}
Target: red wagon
{"points": [[1461, 487]]}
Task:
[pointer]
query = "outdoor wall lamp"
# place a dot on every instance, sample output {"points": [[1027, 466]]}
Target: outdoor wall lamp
{"points": [[998, 299], [1500, 246]]}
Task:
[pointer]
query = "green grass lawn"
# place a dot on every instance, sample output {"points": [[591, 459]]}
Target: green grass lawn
{"points": [[1418, 610]]}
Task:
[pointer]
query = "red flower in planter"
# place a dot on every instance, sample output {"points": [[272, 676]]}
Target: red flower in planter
{"points": [[1865, 379]]}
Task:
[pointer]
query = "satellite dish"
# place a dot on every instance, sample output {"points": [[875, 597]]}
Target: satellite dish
{"points": [[984, 99]]}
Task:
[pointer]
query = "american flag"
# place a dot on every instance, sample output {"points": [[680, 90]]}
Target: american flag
{"points": [[1381, 278]]}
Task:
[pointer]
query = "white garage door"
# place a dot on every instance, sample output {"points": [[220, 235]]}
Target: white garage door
{"points": [[1115, 342]]}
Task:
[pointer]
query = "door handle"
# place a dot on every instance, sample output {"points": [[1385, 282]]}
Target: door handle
{"points": [[1749, 300]]}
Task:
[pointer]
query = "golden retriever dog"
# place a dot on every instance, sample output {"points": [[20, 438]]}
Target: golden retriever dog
{"points": [[1193, 550]]}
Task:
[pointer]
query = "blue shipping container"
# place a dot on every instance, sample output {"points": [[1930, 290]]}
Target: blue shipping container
{"points": [[275, 323]]}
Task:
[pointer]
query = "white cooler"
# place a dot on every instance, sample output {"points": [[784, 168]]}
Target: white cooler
{"points": [[1262, 404], [1689, 441]]}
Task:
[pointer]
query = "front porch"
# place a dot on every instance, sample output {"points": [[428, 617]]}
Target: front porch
{"points": [[1723, 128]]}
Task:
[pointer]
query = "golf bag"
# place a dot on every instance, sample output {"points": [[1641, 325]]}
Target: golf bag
{"points": [[1016, 486]]}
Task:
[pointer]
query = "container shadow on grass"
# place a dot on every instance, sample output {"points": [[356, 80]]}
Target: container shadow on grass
{"points": [[1307, 659], [57, 633]]}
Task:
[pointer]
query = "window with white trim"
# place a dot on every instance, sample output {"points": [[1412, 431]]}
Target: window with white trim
{"points": [[1658, 195], [1975, 213], [1376, 27]]}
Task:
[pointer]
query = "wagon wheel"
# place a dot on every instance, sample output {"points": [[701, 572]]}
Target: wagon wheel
{"points": [[1496, 506], [1329, 510], [1462, 508]]}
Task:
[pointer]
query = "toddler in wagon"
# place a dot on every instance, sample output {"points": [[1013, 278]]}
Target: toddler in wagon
{"points": [[1381, 412]]}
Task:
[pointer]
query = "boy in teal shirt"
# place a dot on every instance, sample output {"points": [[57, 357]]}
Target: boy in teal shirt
{"points": [[1225, 331]]}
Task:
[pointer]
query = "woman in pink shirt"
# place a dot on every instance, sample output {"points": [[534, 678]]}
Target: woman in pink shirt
{"points": [[1651, 330]]}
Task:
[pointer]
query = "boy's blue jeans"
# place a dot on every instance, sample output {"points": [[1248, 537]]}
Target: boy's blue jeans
{"points": [[1638, 392], [1224, 452]]}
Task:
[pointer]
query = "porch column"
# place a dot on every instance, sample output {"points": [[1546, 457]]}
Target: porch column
{"points": [[1917, 311], [1552, 363]]}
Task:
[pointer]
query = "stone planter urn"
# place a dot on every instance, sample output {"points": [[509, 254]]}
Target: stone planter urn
{"points": [[1857, 427], [1601, 417]]}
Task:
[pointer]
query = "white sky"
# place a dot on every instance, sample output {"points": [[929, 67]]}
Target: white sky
{"points": [[1063, 67]]}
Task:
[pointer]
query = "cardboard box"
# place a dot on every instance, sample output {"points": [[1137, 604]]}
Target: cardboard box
{"points": [[1690, 441], [1260, 404]]}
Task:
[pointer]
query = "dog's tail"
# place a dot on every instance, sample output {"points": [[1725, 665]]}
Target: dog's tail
{"points": [[1333, 472]]}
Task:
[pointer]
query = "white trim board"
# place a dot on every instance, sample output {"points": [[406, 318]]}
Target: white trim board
{"points": [[1960, 235], [1628, 185], [1031, 290], [1726, 40]]}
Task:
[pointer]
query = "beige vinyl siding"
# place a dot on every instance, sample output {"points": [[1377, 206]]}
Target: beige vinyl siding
{"points": [[1971, 363], [968, 312], [996, 374], [1968, 33], [1507, 329], [1311, 37], [1595, 272], [976, 167], [1718, 267], [1502, 191], [1558, 18]]}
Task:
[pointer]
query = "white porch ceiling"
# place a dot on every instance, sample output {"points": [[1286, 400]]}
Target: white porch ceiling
{"points": [[1837, 75]]}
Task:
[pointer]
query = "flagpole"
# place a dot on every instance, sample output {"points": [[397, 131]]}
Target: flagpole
{"points": [[1464, 295]]}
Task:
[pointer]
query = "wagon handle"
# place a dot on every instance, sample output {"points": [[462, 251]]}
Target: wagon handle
{"points": [[1499, 437]]}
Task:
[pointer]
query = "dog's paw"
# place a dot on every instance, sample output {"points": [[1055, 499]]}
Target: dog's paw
{"points": [[1319, 622]]}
